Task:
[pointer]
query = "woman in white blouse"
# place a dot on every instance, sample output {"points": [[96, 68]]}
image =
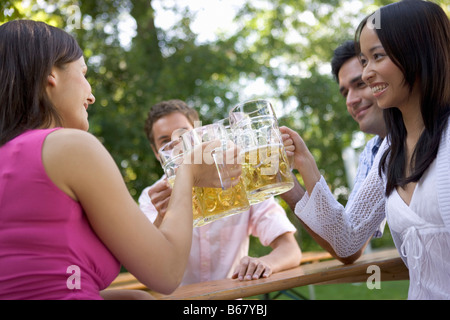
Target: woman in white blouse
{"points": [[405, 53]]}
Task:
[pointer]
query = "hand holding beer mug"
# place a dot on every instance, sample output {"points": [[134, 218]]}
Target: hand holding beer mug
{"points": [[171, 156], [265, 167], [228, 199]]}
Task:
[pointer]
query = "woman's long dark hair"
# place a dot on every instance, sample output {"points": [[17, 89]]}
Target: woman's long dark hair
{"points": [[416, 36], [28, 51]]}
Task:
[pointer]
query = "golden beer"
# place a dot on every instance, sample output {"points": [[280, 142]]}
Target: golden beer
{"points": [[216, 203], [196, 210], [209, 204], [266, 172]]}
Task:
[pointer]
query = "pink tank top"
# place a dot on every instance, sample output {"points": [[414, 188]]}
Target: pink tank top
{"points": [[47, 247]]}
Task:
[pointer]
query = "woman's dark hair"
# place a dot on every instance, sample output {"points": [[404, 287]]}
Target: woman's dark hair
{"points": [[28, 51], [416, 36]]}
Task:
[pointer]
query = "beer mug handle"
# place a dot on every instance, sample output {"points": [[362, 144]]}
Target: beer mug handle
{"points": [[218, 155]]}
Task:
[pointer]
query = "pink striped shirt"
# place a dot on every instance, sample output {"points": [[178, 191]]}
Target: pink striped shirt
{"points": [[218, 247]]}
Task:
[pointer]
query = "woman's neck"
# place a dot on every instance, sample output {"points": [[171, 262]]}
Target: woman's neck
{"points": [[413, 121], [412, 118]]}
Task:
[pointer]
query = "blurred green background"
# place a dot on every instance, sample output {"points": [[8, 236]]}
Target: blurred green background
{"points": [[140, 52]]}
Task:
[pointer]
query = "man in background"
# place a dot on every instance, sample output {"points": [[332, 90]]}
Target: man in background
{"points": [[219, 249], [363, 108]]}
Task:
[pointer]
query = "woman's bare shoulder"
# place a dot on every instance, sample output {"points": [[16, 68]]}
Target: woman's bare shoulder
{"points": [[71, 157], [69, 142], [69, 136]]}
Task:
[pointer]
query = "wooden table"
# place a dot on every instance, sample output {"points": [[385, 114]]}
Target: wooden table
{"points": [[391, 267]]}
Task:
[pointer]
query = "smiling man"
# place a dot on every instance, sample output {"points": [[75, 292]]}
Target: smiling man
{"points": [[360, 101], [361, 104], [363, 108]]}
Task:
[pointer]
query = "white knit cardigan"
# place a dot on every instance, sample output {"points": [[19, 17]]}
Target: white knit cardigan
{"points": [[347, 229]]}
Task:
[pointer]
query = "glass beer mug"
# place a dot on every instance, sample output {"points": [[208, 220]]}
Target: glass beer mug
{"points": [[265, 166], [171, 157], [216, 203]]}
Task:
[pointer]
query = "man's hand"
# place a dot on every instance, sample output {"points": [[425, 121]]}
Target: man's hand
{"points": [[286, 254], [160, 193], [251, 269]]}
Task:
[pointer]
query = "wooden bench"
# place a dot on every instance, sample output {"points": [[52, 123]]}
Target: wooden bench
{"points": [[390, 267], [126, 280]]}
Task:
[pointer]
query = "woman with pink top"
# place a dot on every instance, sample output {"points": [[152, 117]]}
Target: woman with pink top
{"points": [[67, 220]]}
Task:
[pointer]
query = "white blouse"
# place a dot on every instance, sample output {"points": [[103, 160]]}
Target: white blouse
{"points": [[424, 240], [421, 231]]}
